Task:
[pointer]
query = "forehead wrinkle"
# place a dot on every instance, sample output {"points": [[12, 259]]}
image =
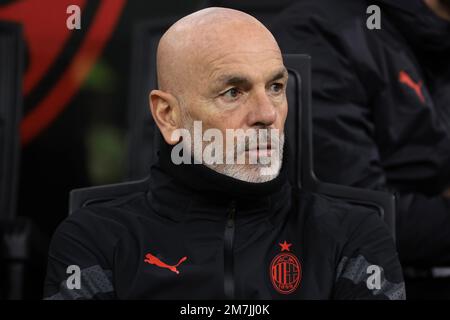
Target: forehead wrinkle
{"points": [[253, 53], [281, 73], [231, 69], [232, 80], [243, 80]]}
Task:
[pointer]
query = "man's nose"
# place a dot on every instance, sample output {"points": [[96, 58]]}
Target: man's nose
{"points": [[262, 110]]}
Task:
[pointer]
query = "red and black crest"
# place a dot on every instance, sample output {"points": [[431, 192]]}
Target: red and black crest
{"points": [[58, 59], [285, 270]]}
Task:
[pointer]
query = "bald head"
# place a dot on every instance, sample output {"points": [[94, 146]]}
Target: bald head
{"points": [[196, 40], [223, 69]]}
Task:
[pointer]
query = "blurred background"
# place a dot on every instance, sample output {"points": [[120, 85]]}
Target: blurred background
{"points": [[73, 122]]}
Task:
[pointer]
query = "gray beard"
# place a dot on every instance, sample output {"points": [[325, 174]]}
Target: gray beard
{"points": [[244, 172], [250, 172]]}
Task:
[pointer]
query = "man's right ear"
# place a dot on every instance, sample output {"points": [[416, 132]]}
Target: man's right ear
{"points": [[165, 111]]}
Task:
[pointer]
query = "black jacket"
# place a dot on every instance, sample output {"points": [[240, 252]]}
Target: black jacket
{"points": [[381, 108], [197, 234]]}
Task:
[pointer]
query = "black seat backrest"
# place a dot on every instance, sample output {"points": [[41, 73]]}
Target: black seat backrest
{"points": [[298, 130], [383, 202], [141, 135], [11, 64]]}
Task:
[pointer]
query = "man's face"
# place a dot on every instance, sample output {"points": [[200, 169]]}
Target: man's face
{"points": [[240, 87]]}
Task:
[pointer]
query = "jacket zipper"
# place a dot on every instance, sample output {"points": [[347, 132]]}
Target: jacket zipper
{"points": [[228, 253]]}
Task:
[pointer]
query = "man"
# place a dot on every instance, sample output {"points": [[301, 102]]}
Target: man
{"points": [[381, 107], [222, 229]]}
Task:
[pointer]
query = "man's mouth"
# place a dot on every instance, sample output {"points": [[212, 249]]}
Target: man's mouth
{"points": [[261, 151]]}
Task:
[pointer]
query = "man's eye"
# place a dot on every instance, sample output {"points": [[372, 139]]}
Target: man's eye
{"points": [[276, 87], [231, 94]]}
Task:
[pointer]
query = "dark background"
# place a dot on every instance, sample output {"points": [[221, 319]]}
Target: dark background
{"points": [[85, 144], [80, 140], [76, 97]]}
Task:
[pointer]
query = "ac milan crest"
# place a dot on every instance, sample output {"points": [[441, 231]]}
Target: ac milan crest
{"points": [[285, 270]]}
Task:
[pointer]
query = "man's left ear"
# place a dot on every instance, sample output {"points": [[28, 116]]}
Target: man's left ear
{"points": [[165, 111]]}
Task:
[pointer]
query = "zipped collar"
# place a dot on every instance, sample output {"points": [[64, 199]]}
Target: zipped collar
{"points": [[182, 191]]}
